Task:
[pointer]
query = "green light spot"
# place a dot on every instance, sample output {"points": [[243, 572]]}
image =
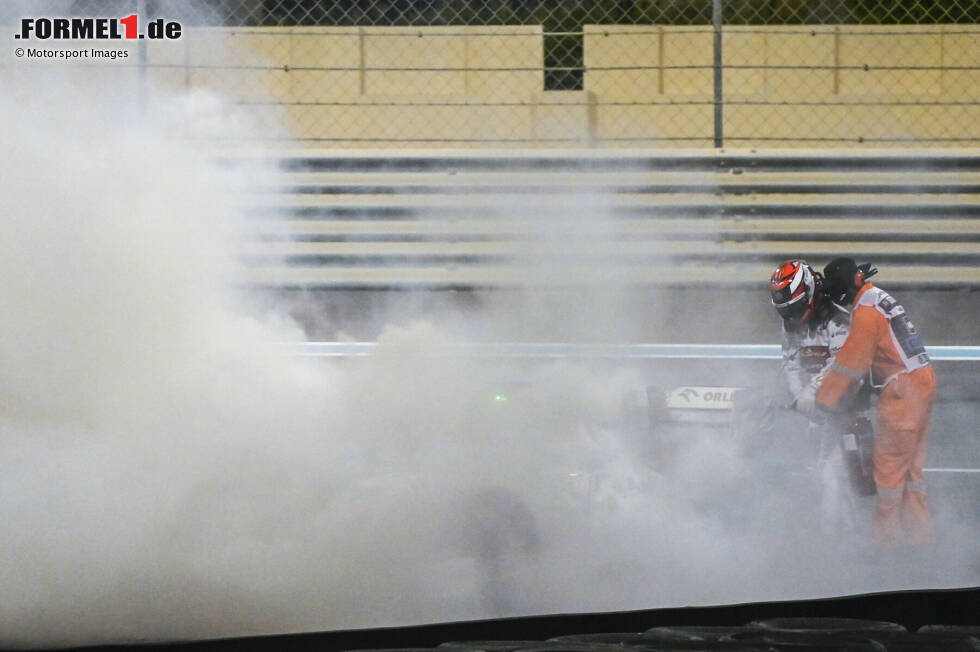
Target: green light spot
{"points": [[499, 398]]}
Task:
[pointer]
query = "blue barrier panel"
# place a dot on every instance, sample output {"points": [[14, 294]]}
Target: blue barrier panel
{"points": [[628, 351]]}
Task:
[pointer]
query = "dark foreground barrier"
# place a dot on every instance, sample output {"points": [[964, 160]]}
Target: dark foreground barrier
{"points": [[915, 620]]}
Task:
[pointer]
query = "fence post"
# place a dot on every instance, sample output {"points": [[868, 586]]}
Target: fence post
{"points": [[719, 95]]}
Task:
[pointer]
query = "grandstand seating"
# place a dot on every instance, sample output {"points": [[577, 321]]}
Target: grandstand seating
{"points": [[453, 219]]}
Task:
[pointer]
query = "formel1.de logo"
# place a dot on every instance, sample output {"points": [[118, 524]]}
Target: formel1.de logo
{"points": [[96, 29]]}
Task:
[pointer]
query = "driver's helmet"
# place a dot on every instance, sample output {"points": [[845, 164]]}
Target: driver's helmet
{"points": [[794, 291]]}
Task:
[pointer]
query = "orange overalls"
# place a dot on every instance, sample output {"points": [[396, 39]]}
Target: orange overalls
{"points": [[883, 340]]}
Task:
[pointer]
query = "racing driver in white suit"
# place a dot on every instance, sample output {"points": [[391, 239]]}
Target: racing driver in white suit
{"points": [[814, 329]]}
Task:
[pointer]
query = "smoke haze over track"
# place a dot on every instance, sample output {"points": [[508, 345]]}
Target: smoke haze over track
{"points": [[170, 472]]}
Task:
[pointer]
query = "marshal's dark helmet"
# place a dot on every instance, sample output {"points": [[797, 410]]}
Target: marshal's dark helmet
{"points": [[841, 280]]}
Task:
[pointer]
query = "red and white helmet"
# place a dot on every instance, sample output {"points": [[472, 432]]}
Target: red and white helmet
{"points": [[793, 287]]}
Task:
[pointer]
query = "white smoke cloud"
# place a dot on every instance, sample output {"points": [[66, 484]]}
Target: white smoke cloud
{"points": [[170, 472]]}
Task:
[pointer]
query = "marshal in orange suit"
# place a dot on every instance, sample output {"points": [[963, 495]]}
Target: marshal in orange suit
{"points": [[884, 341]]}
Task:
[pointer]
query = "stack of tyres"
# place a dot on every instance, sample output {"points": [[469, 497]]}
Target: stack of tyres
{"points": [[774, 635]]}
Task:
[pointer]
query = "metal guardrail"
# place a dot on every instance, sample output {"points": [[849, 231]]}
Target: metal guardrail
{"points": [[613, 351], [454, 220]]}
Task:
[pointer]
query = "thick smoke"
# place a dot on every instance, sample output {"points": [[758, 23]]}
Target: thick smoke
{"points": [[171, 471]]}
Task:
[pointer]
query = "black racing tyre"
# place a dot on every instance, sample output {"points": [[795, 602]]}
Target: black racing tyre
{"points": [[826, 625], [698, 637], [409, 649], [950, 630], [572, 646], [932, 640], [489, 646], [613, 638], [811, 641], [692, 634]]}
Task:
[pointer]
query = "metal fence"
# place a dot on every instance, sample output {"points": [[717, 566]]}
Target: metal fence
{"points": [[640, 73]]}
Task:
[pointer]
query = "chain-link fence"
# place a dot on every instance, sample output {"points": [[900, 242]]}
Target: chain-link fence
{"points": [[640, 73]]}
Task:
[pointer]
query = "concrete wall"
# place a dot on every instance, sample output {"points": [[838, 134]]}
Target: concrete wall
{"points": [[784, 67], [335, 84], [644, 85]]}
